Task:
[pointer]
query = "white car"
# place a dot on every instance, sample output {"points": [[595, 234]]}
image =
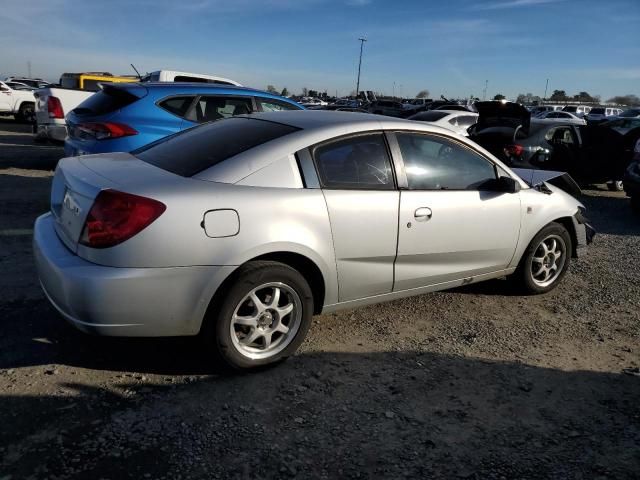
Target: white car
{"points": [[174, 76], [454, 120], [17, 102], [312, 102], [600, 114], [558, 116]]}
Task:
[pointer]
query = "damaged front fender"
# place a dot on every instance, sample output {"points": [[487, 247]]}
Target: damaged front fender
{"points": [[537, 178]]}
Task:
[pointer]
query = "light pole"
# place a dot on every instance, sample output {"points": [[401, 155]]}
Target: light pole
{"points": [[545, 90], [484, 94], [362, 40]]}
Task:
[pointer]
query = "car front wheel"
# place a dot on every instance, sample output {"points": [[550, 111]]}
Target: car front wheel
{"points": [[262, 318], [546, 260]]}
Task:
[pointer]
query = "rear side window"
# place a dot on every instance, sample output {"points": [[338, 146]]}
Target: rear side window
{"points": [[210, 108], [360, 162], [430, 116], [272, 105], [106, 101], [196, 149], [177, 105]]}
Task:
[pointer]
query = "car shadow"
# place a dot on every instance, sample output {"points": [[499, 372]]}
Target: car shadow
{"points": [[611, 213], [410, 414]]}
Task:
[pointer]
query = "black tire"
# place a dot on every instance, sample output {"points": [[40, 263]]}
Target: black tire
{"points": [[524, 276], [216, 331], [615, 186], [26, 112]]}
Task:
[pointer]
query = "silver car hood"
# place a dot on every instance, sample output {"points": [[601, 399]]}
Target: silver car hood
{"points": [[534, 178]]}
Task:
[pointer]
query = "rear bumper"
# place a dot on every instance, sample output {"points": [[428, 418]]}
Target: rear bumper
{"points": [[134, 302], [52, 131]]}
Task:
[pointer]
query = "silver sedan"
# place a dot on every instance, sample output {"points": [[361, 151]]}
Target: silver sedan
{"points": [[240, 230]]}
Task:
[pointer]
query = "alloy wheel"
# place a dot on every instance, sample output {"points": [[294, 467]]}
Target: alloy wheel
{"points": [[266, 320], [548, 260]]}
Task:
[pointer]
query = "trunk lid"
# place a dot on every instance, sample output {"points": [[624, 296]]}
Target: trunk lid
{"points": [[502, 114], [78, 180]]}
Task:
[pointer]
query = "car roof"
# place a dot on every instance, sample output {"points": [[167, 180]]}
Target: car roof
{"points": [[320, 119], [316, 126], [193, 87]]}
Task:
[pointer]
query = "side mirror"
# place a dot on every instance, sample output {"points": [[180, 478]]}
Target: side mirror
{"points": [[508, 185]]}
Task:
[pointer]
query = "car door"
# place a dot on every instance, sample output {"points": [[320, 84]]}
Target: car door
{"points": [[453, 223], [357, 179]]}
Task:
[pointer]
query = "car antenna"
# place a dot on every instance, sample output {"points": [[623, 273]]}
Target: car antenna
{"points": [[136, 70]]}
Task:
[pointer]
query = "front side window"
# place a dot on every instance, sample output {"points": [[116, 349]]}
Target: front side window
{"points": [[435, 163], [360, 162], [272, 105], [211, 108]]}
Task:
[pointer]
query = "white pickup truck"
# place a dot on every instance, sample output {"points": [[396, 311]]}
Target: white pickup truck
{"points": [[54, 102], [19, 103]]}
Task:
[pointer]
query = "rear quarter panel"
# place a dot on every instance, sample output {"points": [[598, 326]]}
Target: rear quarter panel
{"points": [[271, 220]]}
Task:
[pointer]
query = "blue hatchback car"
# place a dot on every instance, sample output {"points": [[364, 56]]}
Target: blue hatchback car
{"points": [[126, 116]]}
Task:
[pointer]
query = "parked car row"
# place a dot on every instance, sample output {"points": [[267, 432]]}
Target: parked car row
{"points": [[589, 153], [54, 102]]}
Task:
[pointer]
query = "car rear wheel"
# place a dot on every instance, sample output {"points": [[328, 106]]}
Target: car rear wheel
{"points": [[545, 261], [262, 318]]}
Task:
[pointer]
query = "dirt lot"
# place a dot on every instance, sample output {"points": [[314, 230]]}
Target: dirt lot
{"points": [[474, 383]]}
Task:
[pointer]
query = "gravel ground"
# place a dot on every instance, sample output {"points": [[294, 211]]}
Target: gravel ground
{"points": [[471, 383]]}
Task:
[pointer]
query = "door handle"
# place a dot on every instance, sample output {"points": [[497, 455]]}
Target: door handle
{"points": [[423, 214]]}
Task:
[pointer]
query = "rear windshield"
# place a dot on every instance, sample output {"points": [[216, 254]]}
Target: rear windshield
{"points": [[105, 101], [597, 110], [192, 151], [430, 116], [570, 109]]}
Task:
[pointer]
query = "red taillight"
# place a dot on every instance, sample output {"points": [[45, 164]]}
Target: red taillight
{"points": [[55, 107], [106, 130], [513, 150], [117, 216]]}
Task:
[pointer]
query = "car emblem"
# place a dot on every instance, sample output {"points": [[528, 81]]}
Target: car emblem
{"points": [[71, 204]]}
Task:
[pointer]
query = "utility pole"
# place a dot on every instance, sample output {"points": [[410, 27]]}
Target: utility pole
{"points": [[394, 89], [362, 40], [545, 90], [29, 69], [484, 94]]}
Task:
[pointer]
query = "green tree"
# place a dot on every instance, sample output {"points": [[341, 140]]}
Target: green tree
{"points": [[630, 100], [558, 95], [272, 89], [423, 94], [284, 92], [499, 96]]}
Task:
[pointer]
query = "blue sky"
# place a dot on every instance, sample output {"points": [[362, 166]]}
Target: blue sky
{"points": [[448, 47]]}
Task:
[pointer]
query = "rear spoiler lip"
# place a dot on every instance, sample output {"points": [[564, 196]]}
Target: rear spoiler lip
{"points": [[535, 177]]}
